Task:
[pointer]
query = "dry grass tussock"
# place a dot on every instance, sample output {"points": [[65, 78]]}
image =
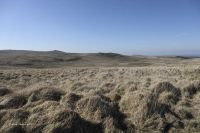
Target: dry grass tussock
{"points": [[111, 100]]}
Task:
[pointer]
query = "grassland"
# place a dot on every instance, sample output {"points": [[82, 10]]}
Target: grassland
{"points": [[102, 95]]}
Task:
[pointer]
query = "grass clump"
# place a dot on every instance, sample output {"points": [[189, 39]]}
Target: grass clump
{"points": [[66, 121], [13, 101], [192, 89], [162, 97], [95, 108], [70, 100], [4, 91], [46, 94]]}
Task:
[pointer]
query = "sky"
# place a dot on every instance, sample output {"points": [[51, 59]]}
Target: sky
{"points": [[145, 27]]}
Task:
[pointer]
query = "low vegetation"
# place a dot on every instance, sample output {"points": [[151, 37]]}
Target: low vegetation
{"points": [[57, 92], [122, 99]]}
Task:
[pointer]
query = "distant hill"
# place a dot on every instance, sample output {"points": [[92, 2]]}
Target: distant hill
{"points": [[48, 59]]}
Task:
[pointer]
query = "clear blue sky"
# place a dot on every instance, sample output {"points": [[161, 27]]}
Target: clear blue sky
{"points": [[123, 26]]}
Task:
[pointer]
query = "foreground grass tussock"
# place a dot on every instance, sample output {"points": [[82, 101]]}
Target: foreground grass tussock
{"points": [[111, 100]]}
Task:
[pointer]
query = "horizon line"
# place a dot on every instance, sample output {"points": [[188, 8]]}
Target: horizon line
{"points": [[121, 53]]}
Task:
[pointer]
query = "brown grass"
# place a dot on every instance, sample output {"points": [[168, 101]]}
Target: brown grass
{"points": [[4, 91], [133, 100]]}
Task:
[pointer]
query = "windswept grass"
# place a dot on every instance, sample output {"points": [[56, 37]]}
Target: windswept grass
{"points": [[112, 100]]}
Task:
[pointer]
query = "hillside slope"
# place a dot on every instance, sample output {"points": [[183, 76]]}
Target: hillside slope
{"points": [[49, 59]]}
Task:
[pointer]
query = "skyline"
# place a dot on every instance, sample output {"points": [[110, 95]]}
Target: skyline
{"points": [[129, 27]]}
